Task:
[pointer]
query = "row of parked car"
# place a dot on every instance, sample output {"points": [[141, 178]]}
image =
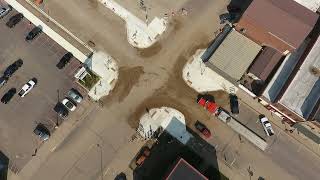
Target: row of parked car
{"points": [[15, 19], [26, 88], [69, 103], [207, 102]]}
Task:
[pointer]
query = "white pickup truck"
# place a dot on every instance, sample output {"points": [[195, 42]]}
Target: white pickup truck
{"points": [[266, 126]]}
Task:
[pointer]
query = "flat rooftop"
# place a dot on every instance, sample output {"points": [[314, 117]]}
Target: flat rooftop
{"points": [[282, 75], [303, 92], [235, 54], [184, 171]]}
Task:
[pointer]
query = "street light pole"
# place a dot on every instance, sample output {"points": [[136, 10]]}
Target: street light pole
{"points": [[101, 162], [58, 100]]}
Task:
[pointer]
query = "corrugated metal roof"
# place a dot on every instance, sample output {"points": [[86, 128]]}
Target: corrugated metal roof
{"points": [[303, 92], [235, 54], [281, 22], [282, 75], [265, 63]]}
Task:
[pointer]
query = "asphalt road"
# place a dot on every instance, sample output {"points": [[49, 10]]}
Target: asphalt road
{"points": [[294, 157], [147, 81]]}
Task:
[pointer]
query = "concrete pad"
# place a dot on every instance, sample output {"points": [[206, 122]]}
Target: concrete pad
{"points": [[139, 33], [106, 67], [201, 78]]}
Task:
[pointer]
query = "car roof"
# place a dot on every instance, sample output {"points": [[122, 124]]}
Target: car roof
{"points": [[31, 82], [264, 119]]}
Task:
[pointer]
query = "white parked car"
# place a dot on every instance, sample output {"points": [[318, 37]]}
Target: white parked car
{"points": [[75, 95], [27, 88], [4, 11], [68, 104], [266, 126]]}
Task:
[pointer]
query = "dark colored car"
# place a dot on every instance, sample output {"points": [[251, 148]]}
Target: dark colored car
{"points": [[234, 104], [42, 132], [203, 129], [61, 110], [121, 176], [3, 80], [227, 17], [14, 20], [33, 33], [13, 68], [8, 96], [64, 60]]}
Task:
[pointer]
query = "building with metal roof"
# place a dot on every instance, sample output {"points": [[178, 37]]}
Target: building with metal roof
{"points": [[303, 93], [234, 55], [294, 90], [283, 25], [265, 63], [279, 79]]}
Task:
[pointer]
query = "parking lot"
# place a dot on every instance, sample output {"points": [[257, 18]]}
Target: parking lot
{"points": [[21, 115]]}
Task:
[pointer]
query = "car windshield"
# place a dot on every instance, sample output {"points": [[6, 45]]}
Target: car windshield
{"points": [[270, 132], [69, 105], [266, 122], [21, 92]]}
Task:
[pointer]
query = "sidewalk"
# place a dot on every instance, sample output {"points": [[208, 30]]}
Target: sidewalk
{"points": [[100, 63], [315, 148], [47, 148], [139, 34], [106, 67]]}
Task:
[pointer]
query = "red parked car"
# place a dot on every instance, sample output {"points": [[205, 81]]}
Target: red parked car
{"points": [[203, 129], [207, 102]]}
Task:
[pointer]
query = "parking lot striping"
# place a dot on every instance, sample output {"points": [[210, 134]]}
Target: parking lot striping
{"points": [[18, 80], [53, 149], [54, 35]]}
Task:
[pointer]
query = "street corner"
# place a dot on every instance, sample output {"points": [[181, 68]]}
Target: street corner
{"points": [[106, 68]]}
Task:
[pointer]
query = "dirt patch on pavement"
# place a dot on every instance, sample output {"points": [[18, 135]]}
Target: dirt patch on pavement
{"points": [[93, 3], [160, 99], [221, 98], [175, 94], [128, 78], [150, 51], [176, 24]]}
